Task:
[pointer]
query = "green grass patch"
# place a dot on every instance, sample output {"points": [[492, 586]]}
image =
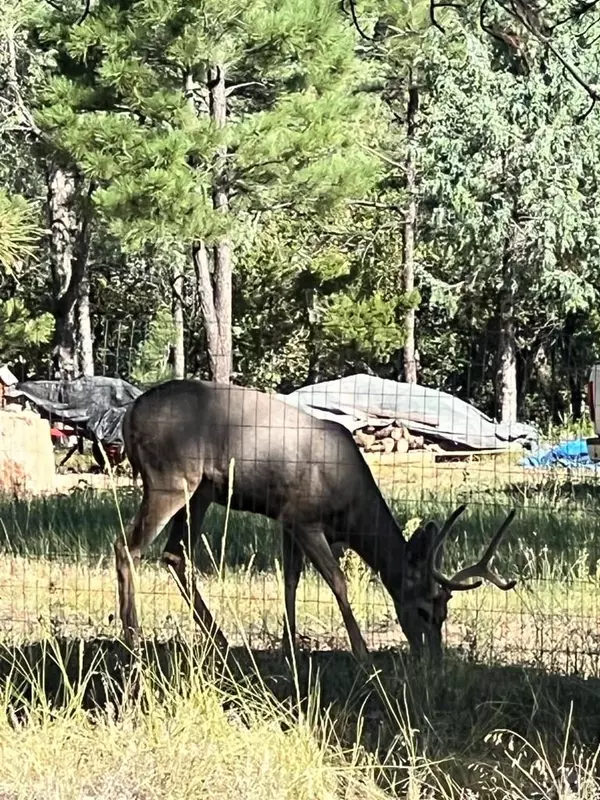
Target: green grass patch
{"points": [[554, 534]]}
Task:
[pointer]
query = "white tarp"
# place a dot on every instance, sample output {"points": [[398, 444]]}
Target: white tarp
{"points": [[360, 400]]}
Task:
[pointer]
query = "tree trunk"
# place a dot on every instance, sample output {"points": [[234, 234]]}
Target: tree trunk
{"points": [[63, 234], [410, 221], [507, 373], [576, 390], [178, 323], [577, 379], [68, 258], [85, 338], [507, 341], [222, 250], [215, 285], [207, 306]]}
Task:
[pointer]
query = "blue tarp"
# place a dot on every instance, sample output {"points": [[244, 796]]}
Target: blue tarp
{"points": [[572, 454]]}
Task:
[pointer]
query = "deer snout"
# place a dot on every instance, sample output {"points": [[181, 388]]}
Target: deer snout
{"points": [[421, 628]]}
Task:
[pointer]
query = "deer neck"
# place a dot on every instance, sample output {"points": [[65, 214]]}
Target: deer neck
{"points": [[378, 540]]}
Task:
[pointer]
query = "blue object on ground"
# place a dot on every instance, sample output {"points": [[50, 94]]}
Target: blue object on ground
{"points": [[573, 453]]}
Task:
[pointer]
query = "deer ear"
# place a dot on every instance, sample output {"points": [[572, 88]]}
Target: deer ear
{"points": [[421, 542]]}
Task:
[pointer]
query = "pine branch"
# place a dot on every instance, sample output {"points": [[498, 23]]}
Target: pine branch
{"points": [[379, 206], [434, 5], [231, 89], [383, 157], [12, 79], [87, 7], [527, 16], [355, 20]]}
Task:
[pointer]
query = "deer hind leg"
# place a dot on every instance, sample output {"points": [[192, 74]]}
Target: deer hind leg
{"points": [[156, 509], [317, 548], [293, 559], [181, 543]]}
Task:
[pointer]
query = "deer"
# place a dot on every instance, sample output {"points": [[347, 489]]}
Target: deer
{"points": [[185, 438]]}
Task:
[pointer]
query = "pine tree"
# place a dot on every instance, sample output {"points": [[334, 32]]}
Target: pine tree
{"points": [[512, 232], [193, 118]]}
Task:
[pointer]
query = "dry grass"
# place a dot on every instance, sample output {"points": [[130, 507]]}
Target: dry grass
{"points": [[188, 746], [325, 728], [547, 623]]}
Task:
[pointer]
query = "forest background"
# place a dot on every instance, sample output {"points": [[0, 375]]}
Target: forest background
{"points": [[273, 194]]}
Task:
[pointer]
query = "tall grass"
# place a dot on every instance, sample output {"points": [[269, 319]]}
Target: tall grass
{"points": [[69, 727], [554, 532], [320, 728]]}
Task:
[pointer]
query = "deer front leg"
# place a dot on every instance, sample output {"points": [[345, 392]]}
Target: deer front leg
{"points": [[181, 545], [292, 568], [317, 548], [155, 511]]}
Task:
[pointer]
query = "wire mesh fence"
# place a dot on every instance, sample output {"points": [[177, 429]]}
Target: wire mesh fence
{"points": [[57, 572]]}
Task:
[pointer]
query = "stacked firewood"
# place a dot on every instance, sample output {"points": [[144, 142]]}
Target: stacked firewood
{"points": [[395, 438]]}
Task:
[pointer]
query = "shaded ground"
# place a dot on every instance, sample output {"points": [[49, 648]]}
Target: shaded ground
{"points": [[454, 705]]}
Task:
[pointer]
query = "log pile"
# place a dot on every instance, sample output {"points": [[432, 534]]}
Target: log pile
{"points": [[395, 438]]}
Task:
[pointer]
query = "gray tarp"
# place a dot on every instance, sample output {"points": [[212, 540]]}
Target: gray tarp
{"points": [[361, 400], [97, 405], [94, 405]]}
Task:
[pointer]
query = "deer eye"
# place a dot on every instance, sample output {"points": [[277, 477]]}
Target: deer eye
{"points": [[424, 614]]}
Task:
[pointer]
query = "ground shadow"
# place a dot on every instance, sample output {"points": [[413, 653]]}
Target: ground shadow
{"points": [[453, 706]]}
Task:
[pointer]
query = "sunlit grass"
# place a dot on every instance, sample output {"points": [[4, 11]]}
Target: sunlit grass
{"points": [[186, 737], [260, 730], [490, 721], [547, 622]]}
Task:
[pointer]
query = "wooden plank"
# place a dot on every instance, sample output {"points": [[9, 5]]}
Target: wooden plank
{"points": [[400, 459], [469, 454]]}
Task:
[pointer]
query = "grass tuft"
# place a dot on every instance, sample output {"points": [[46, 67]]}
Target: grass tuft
{"points": [[512, 713]]}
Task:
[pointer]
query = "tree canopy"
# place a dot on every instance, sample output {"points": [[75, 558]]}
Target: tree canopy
{"points": [[279, 194]]}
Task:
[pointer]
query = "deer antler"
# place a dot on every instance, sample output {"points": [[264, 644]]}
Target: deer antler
{"points": [[451, 584], [482, 569]]}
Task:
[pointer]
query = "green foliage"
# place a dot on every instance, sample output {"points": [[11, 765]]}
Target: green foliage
{"points": [[152, 362], [369, 326], [507, 183], [19, 231], [20, 332], [316, 143], [123, 109]]}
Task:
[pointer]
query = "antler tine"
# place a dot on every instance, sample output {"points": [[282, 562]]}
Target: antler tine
{"points": [[445, 530], [482, 569], [451, 584]]}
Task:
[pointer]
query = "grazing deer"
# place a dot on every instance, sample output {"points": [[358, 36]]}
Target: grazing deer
{"points": [[304, 472]]}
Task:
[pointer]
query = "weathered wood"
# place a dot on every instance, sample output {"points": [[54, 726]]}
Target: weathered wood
{"points": [[388, 445], [363, 439]]}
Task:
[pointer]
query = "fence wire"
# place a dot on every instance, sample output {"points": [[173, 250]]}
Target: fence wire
{"points": [[57, 571]]}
